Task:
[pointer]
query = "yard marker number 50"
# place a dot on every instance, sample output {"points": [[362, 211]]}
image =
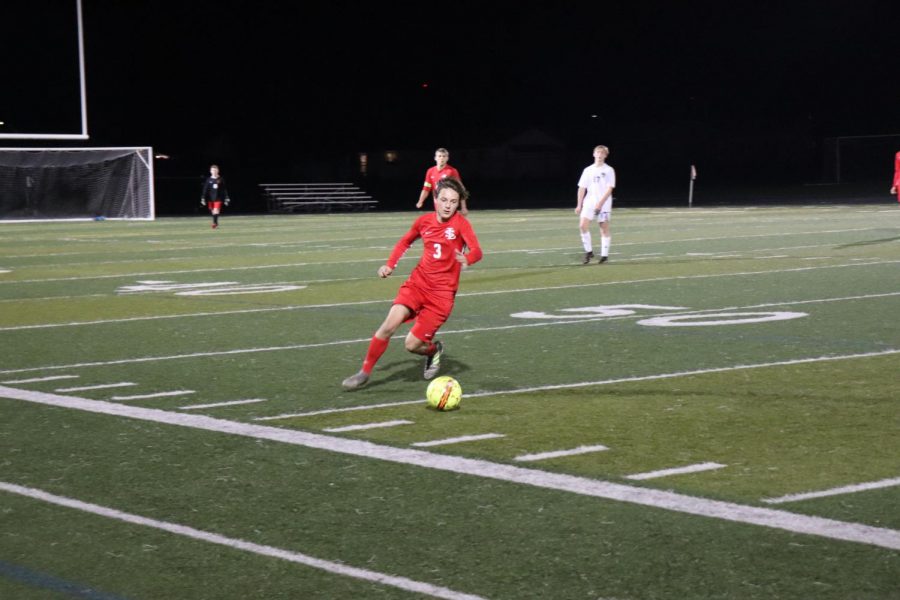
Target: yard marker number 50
{"points": [[690, 320]]}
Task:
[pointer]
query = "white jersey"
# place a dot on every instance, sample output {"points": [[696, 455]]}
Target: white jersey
{"points": [[597, 180]]}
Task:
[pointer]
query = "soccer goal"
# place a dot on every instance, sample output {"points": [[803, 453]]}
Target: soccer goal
{"points": [[40, 184], [855, 158]]}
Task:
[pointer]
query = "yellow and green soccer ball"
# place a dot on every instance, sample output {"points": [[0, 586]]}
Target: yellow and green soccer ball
{"points": [[444, 393]]}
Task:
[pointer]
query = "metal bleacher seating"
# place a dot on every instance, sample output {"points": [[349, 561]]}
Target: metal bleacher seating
{"points": [[310, 197]]}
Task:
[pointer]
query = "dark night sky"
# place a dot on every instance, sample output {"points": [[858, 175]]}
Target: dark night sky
{"points": [[265, 81]]}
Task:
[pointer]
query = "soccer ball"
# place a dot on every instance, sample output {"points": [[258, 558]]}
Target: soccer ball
{"points": [[444, 393]]}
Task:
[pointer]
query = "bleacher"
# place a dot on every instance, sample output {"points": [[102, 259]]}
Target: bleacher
{"points": [[315, 197]]}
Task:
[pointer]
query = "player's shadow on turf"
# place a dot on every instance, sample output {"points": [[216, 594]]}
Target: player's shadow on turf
{"points": [[868, 243], [411, 370]]}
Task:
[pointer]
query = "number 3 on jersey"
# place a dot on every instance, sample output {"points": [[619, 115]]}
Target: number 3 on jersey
{"points": [[437, 251]]}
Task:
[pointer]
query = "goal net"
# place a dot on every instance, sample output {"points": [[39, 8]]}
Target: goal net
{"points": [[38, 184], [860, 158]]}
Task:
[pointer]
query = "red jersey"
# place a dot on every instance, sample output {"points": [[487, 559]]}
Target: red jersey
{"points": [[433, 175], [897, 172], [438, 268]]}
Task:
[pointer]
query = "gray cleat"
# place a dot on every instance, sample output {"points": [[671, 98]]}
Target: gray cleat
{"points": [[355, 381], [433, 364]]}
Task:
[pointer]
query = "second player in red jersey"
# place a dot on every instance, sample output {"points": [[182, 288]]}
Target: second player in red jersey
{"points": [[895, 188], [427, 296], [440, 170]]}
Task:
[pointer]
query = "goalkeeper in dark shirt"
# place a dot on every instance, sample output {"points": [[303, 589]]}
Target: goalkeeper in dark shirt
{"points": [[214, 194]]}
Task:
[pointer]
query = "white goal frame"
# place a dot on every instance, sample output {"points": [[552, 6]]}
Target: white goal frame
{"points": [[81, 83], [145, 153]]}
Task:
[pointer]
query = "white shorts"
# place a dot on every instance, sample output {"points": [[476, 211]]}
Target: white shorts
{"points": [[589, 211]]}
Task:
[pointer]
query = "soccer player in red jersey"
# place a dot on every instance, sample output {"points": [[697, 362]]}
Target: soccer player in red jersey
{"points": [[214, 194], [428, 294], [895, 189], [440, 170]]}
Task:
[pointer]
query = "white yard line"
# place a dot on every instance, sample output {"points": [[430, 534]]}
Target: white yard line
{"points": [[184, 271], [781, 363], [483, 233], [555, 250], [329, 411], [462, 295], [699, 467], [239, 544], [244, 311], [458, 440], [154, 395], [40, 379], [543, 323], [365, 426], [847, 489], [560, 453], [20, 301], [679, 278], [145, 359], [218, 404], [681, 503], [102, 386], [580, 384], [570, 249]]}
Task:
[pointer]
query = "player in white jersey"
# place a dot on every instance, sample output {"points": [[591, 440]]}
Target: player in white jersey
{"points": [[595, 200]]}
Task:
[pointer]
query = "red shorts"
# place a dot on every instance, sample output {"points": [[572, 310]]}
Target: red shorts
{"points": [[214, 205], [430, 308]]}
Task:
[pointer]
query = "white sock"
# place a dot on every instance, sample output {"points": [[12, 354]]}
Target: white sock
{"points": [[586, 241], [604, 245]]}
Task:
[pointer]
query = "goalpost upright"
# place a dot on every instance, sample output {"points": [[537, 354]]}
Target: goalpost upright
{"points": [[82, 96]]}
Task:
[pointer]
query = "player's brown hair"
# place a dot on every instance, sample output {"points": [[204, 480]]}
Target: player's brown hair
{"points": [[454, 184]]}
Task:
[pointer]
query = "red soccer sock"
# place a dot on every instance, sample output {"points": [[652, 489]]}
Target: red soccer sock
{"points": [[376, 348]]}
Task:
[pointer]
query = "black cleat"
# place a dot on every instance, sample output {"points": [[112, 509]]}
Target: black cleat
{"points": [[602, 260], [587, 257]]}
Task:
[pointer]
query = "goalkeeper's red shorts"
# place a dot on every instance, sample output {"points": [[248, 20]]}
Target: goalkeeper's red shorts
{"points": [[430, 308], [215, 205]]}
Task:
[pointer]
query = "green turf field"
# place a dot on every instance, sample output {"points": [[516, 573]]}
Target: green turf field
{"points": [[715, 413]]}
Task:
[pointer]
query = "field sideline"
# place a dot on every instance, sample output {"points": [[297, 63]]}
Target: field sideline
{"points": [[712, 414]]}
